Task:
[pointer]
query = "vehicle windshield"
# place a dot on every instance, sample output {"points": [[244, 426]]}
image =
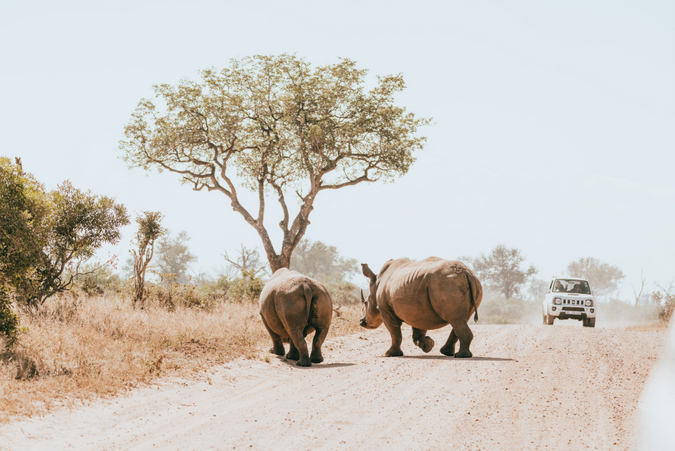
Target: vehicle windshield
{"points": [[571, 286]]}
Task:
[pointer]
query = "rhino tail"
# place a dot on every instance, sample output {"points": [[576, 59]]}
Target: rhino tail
{"points": [[475, 291], [311, 307]]}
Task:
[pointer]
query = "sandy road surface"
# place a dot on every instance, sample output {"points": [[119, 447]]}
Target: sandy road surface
{"points": [[528, 387]]}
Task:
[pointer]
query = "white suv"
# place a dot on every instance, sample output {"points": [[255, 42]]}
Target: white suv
{"points": [[569, 298]]}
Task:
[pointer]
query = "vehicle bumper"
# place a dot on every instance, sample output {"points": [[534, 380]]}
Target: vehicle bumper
{"points": [[560, 312]]}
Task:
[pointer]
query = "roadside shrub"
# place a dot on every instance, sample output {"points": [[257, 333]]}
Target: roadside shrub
{"points": [[497, 310], [247, 287], [665, 305]]}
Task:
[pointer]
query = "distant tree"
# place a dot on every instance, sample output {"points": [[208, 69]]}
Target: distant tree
{"points": [[501, 270], [276, 126], [603, 277], [149, 230], [247, 260], [535, 290], [640, 294], [245, 275], [323, 263], [174, 256]]}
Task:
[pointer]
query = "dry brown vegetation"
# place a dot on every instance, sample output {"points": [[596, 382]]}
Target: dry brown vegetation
{"points": [[77, 349]]}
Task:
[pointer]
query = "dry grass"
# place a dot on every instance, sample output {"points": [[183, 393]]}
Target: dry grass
{"points": [[76, 350]]}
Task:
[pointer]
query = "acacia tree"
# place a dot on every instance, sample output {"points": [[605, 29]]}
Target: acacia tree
{"points": [[603, 277], [501, 270], [149, 230], [275, 125]]}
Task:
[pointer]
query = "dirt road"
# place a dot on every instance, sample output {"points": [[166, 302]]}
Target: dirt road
{"points": [[527, 387]]}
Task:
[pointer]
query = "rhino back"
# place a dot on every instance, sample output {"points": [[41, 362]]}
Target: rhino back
{"points": [[291, 300], [427, 294]]}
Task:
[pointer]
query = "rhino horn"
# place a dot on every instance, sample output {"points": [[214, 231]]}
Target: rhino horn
{"points": [[362, 298]]}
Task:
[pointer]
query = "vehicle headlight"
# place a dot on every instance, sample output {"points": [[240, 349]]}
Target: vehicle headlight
{"points": [[557, 301], [589, 302]]}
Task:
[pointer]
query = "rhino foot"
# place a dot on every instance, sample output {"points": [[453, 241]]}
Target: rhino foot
{"points": [[463, 355], [393, 352], [304, 362], [449, 351], [278, 350], [425, 343], [293, 354], [316, 358]]}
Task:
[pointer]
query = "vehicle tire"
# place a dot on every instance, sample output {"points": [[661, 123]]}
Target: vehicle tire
{"points": [[550, 319], [589, 322]]}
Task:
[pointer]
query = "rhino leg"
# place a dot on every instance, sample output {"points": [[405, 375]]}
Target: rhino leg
{"points": [[277, 342], [449, 346], [293, 353], [319, 337], [298, 349], [465, 336], [393, 325], [420, 339]]}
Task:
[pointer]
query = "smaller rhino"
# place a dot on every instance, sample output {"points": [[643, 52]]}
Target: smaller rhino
{"points": [[292, 306]]}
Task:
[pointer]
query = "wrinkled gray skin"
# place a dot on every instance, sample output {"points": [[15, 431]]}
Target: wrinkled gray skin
{"points": [[293, 306], [427, 294]]}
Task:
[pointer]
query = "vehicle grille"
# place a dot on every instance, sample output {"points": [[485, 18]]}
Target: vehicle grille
{"points": [[573, 302], [573, 309]]}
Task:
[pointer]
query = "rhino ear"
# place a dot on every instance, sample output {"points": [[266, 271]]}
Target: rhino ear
{"points": [[368, 273]]}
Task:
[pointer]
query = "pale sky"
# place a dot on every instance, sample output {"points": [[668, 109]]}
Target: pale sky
{"points": [[553, 131]]}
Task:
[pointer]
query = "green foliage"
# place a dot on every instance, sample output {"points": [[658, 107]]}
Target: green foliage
{"points": [[9, 321], [603, 278], [23, 223], [77, 225], [46, 237], [278, 126], [246, 287], [97, 280], [501, 271]]}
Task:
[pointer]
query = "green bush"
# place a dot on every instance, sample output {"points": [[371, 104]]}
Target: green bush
{"points": [[9, 321]]}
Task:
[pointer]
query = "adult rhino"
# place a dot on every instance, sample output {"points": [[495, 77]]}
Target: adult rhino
{"points": [[293, 306], [427, 294]]}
